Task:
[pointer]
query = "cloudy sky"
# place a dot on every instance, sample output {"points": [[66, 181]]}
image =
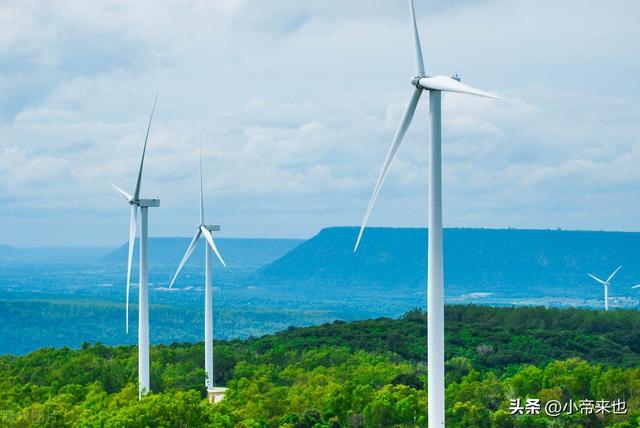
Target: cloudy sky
{"points": [[296, 103]]}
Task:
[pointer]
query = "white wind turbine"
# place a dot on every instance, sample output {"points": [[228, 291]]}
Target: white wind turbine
{"points": [[606, 286], [143, 302], [205, 230], [435, 85]]}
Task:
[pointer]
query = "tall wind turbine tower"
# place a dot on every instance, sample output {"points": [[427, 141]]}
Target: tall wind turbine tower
{"points": [[435, 85], [205, 230], [143, 302], [606, 284]]}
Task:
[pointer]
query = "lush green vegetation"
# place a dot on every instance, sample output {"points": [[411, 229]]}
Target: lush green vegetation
{"points": [[365, 373]]}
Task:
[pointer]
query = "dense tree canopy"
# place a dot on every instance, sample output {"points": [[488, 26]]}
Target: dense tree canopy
{"points": [[365, 373]]}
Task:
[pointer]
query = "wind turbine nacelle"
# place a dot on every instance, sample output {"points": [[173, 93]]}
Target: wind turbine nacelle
{"points": [[151, 203], [212, 227], [449, 84]]}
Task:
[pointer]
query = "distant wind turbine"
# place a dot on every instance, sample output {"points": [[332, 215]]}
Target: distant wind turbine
{"points": [[435, 85], [143, 303], [606, 286], [205, 230]]}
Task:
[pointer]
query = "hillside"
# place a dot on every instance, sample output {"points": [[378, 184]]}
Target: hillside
{"points": [[511, 336], [504, 261], [361, 374], [247, 253]]}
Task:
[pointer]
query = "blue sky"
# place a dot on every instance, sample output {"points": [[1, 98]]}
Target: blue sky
{"points": [[296, 103]]}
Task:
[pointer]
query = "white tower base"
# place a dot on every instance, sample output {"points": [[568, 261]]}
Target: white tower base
{"points": [[208, 318], [143, 308], [435, 280]]}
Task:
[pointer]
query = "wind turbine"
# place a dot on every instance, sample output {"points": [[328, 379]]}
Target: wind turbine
{"points": [[435, 85], [606, 286], [143, 302], [205, 230]]}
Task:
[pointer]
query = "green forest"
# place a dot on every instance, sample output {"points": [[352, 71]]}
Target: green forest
{"points": [[358, 374]]}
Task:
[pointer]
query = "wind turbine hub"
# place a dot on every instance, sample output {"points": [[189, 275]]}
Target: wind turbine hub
{"points": [[211, 227], [416, 81], [149, 203]]}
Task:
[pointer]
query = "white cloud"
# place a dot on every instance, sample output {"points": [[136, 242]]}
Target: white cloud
{"points": [[298, 101]]}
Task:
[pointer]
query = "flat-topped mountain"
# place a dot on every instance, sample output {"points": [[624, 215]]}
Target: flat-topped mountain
{"points": [[513, 261]]}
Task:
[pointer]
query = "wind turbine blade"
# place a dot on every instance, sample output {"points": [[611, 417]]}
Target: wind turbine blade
{"points": [[597, 279], [136, 193], [209, 238], [416, 40], [188, 253], [201, 197], [636, 286], [448, 84], [613, 274], [125, 195], [132, 240], [397, 139]]}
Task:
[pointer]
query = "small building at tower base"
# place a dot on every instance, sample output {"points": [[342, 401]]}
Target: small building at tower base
{"points": [[216, 394]]}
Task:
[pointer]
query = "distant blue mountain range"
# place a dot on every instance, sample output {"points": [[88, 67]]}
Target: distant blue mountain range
{"points": [[507, 261], [244, 253], [65, 296]]}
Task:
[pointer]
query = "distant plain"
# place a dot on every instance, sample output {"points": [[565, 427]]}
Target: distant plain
{"points": [[65, 297]]}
